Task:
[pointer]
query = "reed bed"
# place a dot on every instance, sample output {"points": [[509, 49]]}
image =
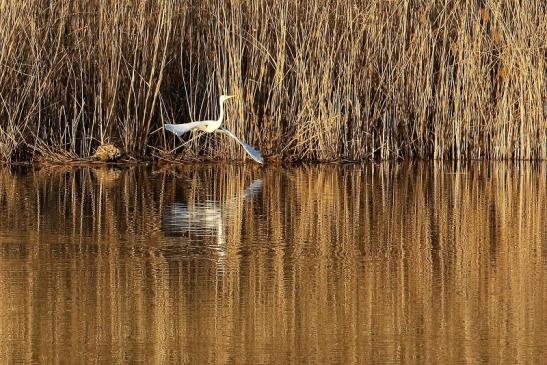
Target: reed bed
{"points": [[319, 80]]}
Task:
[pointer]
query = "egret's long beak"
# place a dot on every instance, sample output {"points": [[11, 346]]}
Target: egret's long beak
{"points": [[230, 96]]}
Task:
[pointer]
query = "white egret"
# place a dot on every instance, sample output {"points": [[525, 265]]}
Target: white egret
{"points": [[211, 126]]}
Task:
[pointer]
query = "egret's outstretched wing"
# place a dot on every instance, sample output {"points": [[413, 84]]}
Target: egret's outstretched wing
{"points": [[180, 129], [248, 148]]}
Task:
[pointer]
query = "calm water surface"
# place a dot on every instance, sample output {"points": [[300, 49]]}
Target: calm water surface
{"points": [[387, 263]]}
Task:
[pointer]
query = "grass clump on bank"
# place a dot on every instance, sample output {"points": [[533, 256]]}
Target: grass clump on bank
{"points": [[317, 80]]}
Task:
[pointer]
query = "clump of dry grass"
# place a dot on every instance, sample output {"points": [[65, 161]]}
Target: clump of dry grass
{"points": [[317, 80]]}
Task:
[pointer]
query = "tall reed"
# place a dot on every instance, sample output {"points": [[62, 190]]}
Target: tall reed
{"points": [[317, 80]]}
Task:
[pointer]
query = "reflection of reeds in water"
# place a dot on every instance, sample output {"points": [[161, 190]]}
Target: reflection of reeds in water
{"points": [[381, 262]]}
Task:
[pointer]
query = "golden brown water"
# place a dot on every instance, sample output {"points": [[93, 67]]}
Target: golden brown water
{"points": [[391, 263]]}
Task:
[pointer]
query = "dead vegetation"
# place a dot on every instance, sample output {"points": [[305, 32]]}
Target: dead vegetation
{"points": [[107, 153], [318, 80]]}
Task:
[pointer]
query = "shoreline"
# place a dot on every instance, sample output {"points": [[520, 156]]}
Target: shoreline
{"points": [[205, 161]]}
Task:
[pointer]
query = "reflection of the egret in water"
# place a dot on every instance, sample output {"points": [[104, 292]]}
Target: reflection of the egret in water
{"points": [[200, 224]]}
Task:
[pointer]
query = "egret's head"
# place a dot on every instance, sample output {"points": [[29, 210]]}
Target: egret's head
{"points": [[223, 98]]}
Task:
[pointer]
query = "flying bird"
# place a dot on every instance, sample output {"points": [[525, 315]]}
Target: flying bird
{"points": [[211, 126]]}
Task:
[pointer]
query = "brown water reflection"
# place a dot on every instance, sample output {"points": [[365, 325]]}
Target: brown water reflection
{"points": [[391, 263]]}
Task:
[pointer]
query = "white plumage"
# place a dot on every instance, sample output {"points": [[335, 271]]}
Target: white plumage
{"points": [[211, 126]]}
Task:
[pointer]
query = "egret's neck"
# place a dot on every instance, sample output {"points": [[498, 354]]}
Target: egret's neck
{"points": [[221, 116]]}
